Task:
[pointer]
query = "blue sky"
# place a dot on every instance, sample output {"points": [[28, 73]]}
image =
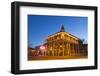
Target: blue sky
{"points": [[40, 26]]}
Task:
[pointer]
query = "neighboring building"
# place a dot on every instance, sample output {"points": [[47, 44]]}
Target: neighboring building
{"points": [[62, 43], [31, 52]]}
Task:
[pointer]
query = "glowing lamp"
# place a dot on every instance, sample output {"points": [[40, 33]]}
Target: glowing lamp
{"points": [[42, 47]]}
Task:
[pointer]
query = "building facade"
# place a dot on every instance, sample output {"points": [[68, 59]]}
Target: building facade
{"points": [[64, 44]]}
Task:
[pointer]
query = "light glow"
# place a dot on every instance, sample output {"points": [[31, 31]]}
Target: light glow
{"points": [[42, 47]]}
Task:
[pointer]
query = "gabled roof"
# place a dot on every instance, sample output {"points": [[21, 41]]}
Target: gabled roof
{"points": [[63, 30]]}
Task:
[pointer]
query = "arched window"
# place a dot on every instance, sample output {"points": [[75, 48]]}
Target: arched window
{"points": [[59, 36], [55, 37], [65, 35]]}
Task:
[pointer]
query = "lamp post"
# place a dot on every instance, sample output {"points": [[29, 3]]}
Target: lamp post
{"points": [[43, 49]]}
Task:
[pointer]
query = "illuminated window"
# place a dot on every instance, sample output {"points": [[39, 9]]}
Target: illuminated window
{"points": [[59, 36], [65, 36], [55, 37]]}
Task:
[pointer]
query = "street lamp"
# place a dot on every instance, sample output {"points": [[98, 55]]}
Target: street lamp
{"points": [[42, 47]]}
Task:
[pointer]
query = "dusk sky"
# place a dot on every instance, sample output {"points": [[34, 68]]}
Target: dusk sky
{"points": [[41, 26]]}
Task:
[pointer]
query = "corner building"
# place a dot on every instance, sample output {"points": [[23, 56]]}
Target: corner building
{"points": [[62, 43]]}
